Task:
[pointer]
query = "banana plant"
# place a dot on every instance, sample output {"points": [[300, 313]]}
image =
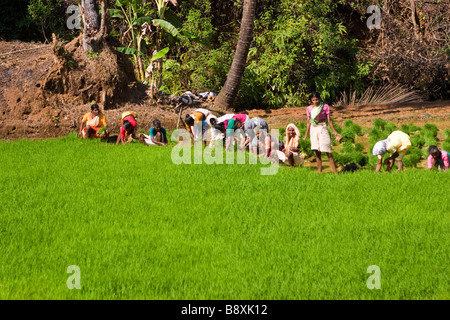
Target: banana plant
{"points": [[162, 6], [139, 22], [140, 26], [129, 12]]}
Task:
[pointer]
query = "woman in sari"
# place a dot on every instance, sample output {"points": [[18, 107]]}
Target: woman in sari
{"points": [[318, 114], [216, 127], [290, 155], [96, 126]]}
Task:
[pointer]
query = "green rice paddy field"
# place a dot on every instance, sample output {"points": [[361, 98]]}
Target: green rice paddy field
{"points": [[139, 226]]}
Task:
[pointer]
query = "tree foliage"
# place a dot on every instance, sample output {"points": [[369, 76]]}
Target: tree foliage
{"points": [[298, 46]]}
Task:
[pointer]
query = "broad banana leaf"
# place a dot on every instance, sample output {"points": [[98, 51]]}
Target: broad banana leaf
{"points": [[130, 51], [166, 26], [161, 53]]}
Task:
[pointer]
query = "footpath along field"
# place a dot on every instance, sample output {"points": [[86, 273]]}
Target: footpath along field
{"points": [[141, 227]]}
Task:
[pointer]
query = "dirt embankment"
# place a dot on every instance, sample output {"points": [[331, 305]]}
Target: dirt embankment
{"points": [[46, 89]]}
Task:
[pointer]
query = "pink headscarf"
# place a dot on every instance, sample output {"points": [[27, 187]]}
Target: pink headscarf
{"points": [[292, 142]]}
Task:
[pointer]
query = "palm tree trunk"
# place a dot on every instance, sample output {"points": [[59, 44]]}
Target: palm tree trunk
{"points": [[229, 91], [93, 29]]}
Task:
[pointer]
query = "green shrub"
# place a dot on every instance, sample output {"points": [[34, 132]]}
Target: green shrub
{"points": [[287, 61]]}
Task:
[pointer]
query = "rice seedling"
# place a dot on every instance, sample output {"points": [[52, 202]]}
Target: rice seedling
{"points": [[139, 226]]}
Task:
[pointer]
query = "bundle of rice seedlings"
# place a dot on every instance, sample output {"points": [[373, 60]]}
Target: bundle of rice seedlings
{"points": [[410, 129], [390, 127], [430, 130], [379, 124], [350, 125], [413, 157], [446, 142], [418, 141]]}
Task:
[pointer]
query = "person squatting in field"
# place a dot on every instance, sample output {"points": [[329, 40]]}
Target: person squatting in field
{"points": [[93, 124], [318, 114], [290, 155], [128, 128], [438, 159], [157, 135], [396, 145]]}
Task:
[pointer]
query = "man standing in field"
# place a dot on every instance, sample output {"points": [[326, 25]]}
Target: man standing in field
{"points": [[396, 144]]}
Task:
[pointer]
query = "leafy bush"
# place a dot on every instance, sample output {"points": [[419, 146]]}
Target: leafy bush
{"points": [[48, 16], [299, 48], [199, 65]]}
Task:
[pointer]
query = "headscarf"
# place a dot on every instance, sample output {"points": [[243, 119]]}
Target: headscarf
{"points": [[208, 119], [292, 142], [380, 148], [129, 113]]}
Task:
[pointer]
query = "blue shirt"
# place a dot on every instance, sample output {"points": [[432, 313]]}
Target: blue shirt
{"points": [[153, 133]]}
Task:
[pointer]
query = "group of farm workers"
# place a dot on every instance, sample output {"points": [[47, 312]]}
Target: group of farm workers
{"points": [[94, 125], [246, 133], [253, 134]]}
